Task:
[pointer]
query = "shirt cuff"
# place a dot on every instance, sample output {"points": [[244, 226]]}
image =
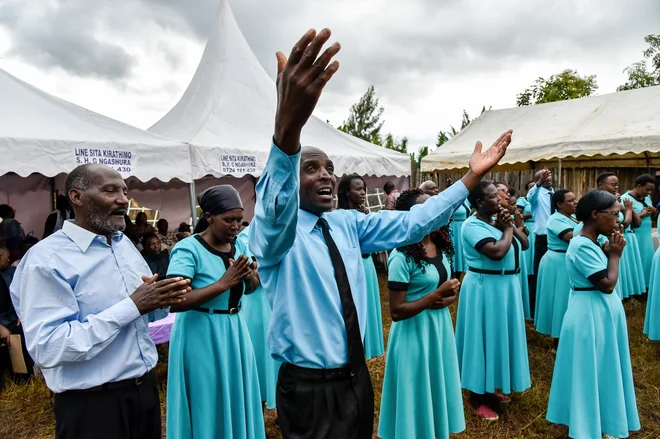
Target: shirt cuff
{"points": [[125, 312], [280, 165]]}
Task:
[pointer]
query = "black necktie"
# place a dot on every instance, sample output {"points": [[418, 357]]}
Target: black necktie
{"points": [[353, 336]]}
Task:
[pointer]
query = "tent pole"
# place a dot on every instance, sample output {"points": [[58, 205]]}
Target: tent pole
{"points": [[193, 203], [559, 172]]}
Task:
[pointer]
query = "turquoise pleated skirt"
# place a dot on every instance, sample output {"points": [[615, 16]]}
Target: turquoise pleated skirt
{"points": [[652, 321], [256, 313], [490, 335], [374, 345], [212, 379], [644, 236], [631, 271], [528, 255], [459, 257], [422, 388], [592, 387], [552, 292]]}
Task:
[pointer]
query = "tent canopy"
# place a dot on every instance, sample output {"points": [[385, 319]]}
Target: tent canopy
{"points": [[227, 115], [622, 123], [40, 133]]}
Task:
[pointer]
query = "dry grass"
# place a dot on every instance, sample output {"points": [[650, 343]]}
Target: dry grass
{"points": [[25, 411]]}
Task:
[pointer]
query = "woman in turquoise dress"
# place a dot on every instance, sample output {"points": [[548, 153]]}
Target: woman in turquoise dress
{"points": [[643, 206], [256, 313], [631, 274], [213, 382], [506, 202], [525, 208], [456, 224], [652, 321], [553, 287], [352, 194], [490, 326], [422, 389], [592, 386]]}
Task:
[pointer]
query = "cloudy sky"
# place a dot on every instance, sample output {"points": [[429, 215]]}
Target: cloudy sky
{"points": [[428, 59]]}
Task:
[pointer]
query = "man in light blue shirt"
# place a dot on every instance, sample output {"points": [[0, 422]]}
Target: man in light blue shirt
{"points": [[310, 259], [85, 296], [539, 197]]}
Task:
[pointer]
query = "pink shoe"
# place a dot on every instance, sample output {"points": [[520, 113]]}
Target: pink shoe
{"points": [[485, 412], [501, 398]]}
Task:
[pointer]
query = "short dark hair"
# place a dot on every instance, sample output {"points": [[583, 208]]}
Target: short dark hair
{"points": [[389, 187], [604, 176], [161, 221], [6, 211], [478, 193], [147, 237], [184, 227], [345, 186], [595, 199], [644, 179], [78, 179], [513, 192], [558, 197]]}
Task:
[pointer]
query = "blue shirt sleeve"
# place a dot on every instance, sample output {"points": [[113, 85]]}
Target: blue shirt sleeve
{"points": [[477, 233], [533, 195], [398, 271], [386, 230], [276, 211], [591, 260], [49, 315], [183, 261]]}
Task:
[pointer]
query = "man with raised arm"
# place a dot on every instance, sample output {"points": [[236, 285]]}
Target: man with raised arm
{"points": [[310, 259]]}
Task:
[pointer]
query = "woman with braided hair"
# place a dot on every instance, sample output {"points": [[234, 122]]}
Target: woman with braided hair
{"points": [[352, 194], [421, 390]]}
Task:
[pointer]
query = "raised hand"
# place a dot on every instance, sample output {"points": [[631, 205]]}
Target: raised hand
{"points": [[483, 161], [546, 176], [627, 204], [300, 82]]}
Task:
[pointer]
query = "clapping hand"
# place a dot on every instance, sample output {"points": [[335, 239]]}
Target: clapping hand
{"points": [[447, 294], [614, 248], [238, 270], [153, 294], [627, 204], [504, 219]]}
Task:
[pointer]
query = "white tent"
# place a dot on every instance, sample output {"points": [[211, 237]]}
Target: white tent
{"points": [[228, 111], [624, 123], [40, 133], [43, 137]]}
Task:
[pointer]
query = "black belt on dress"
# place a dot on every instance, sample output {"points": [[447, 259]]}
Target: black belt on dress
{"points": [[306, 373], [585, 289], [123, 384], [495, 272], [230, 311], [557, 251]]}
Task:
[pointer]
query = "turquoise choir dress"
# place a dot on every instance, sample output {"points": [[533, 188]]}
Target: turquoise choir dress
{"points": [[592, 386], [631, 271], [461, 214], [374, 345], [422, 387], [529, 253], [652, 321], [256, 313], [490, 326], [553, 287], [644, 235], [213, 382]]}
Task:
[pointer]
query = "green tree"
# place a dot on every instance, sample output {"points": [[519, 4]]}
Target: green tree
{"points": [[416, 158], [560, 87], [364, 118], [444, 136], [639, 75], [396, 144]]}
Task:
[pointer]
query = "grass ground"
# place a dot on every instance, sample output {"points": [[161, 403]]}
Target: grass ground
{"points": [[26, 413]]}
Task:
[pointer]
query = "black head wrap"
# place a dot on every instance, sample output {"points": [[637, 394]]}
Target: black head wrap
{"points": [[216, 200]]}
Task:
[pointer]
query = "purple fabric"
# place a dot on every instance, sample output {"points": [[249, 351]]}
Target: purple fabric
{"points": [[159, 331]]}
